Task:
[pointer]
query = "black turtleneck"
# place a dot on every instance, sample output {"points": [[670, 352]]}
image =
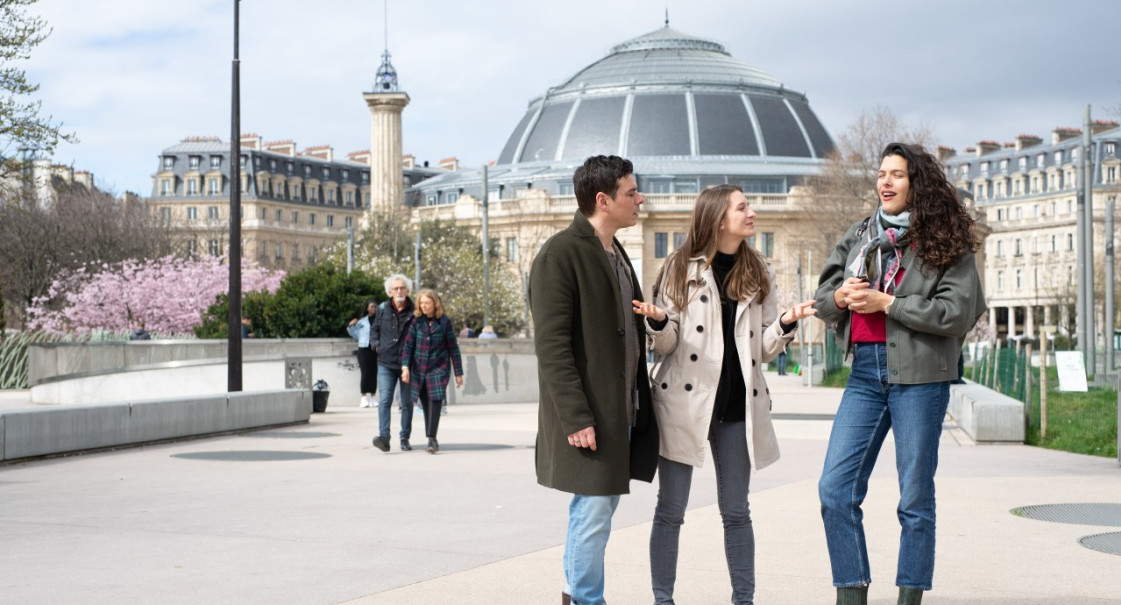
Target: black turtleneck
{"points": [[731, 393]]}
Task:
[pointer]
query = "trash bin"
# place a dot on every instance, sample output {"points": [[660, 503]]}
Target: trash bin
{"points": [[319, 393]]}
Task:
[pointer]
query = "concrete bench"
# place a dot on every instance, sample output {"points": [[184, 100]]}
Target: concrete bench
{"points": [[986, 415], [46, 431]]}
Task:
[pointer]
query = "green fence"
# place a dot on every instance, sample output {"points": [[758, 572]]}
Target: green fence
{"points": [[1004, 370]]}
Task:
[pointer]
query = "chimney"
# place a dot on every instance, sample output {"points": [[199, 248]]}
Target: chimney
{"points": [[287, 147], [360, 157], [251, 141], [450, 164], [1099, 126], [322, 152], [1061, 134], [984, 147], [408, 161], [944, 153], [1027, 140]]}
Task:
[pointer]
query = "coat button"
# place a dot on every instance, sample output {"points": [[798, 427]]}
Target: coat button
{"points": [[664, 386], [700, 328], [622, 331], [751, 333], [688, 387], [693, 357], [753, 363], [704, 298], [891, 344], [754, 392], [895, 372]]}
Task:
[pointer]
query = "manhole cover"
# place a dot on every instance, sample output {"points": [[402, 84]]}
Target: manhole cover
{"points": [[1089, 513], [252, 455], [1108, 543], [290, 434]]}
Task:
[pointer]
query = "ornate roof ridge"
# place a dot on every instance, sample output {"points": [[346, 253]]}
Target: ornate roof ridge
{"points": [[667, 38]]}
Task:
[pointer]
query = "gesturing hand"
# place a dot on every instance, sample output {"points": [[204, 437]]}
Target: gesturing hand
{"points": [[649, 310], [799, 311]]}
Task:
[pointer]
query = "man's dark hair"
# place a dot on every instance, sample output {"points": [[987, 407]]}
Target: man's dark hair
{"points": [[599, 173]]}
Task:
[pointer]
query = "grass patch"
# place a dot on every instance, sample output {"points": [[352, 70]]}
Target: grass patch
{"points": [[837, 379], [1083, 423]]}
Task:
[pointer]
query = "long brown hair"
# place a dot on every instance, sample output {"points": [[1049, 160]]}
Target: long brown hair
{"points": [[748, 276], [941, 227]]}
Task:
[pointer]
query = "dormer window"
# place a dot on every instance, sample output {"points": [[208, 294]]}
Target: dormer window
{"points": [[194, 162], [215, 161], [168, 161]]}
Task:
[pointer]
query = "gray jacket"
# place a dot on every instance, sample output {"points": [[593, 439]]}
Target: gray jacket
{"points": [[932, 312]]}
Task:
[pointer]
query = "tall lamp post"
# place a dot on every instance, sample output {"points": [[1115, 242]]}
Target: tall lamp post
{"points": [[233, 328]]}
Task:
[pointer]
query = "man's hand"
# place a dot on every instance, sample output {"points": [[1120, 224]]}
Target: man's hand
{"points": [[405, 375], [584, 438]]}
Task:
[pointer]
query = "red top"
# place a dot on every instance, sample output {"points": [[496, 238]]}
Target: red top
{"points": [[871, 327]]}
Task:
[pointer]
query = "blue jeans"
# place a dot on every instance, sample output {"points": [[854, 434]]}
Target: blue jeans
{"points": [[728, 441], [388, 379], [869, 408], [589, 527]]}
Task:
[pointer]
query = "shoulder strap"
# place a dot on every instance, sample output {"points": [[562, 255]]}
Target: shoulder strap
{"points": [[863, 226]]}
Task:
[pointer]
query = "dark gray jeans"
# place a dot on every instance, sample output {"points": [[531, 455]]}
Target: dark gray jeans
{"points": [[733, 476]]}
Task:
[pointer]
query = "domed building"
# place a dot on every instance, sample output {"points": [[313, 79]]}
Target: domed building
{"points": [[687, 113]]}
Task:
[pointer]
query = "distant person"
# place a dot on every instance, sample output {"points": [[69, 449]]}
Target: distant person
{"points": [[902, 290], [387, 333], [246, 326], [139, 333], [715, 322], [781, 361], [467, 331], [429, 356], [488, 333], [359, 329], [595, 429]]}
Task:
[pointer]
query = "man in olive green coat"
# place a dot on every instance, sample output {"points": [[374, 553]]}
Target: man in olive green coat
{"points": [[596, 430]]}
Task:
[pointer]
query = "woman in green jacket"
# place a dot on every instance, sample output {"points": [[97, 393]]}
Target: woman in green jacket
{"points": [[902, 289]]}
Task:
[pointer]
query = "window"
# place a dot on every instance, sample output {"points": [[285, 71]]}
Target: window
{"points": [[215, 161], [165, 216], [192, 187], [165, 187], [659, 186], [451, 197], [213, 188], [272, 165], [678, 239], [212, 212], [685, 186], [1035, 210], [1004, 165], [194, 162], [345, 174], [1070, 206], [1074, 153], [1019, 212], [326, 173], [1023, 163], [1110, 148], [1016, 186], [311, 218], [307, 171], [279, 252], [1059, 157], [1000, 280], [349, 222], [331, 196], [767, 244], [278, 219], [1019, 278], [263, 214], [1054, 243], [512, 249], [565, 189], [1070, 276], [212, 248], [349, 198], [168, 161], [1040, 160], [295, 217], [1111, 174], [295, 253], [192, 213], [313, 194], [984, 168], [289, 167], [661, 243], [999, 249], [313, 254], [192, 247], [1019, 248], [1070, 242], [1000, 214], [330, 220], [430, 200]]}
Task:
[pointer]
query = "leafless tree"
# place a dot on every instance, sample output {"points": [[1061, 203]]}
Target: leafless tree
{"points": [[844, 192], [82, 226]]}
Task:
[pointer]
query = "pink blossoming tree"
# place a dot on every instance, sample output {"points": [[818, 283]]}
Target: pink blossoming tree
{"points": [[164, 296]]}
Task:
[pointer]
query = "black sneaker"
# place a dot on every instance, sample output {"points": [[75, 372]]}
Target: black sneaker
{"points": [[405, 445], [433, 446], [381, 444]]}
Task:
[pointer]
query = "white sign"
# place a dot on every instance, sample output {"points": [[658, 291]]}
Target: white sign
{"points": [[1072, 371]]}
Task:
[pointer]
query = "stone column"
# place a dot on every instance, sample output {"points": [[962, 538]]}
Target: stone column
{"points": [[1029, 321], [387, 182], [1011, 322]]}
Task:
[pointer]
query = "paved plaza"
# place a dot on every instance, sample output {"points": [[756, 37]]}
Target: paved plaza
{"points": [[313, 514]]}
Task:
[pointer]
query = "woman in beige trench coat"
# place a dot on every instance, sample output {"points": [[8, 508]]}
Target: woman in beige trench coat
{"points": [[713, 322]]}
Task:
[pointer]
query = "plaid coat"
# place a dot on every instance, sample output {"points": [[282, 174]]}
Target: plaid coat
{"points": [[429, 345]]}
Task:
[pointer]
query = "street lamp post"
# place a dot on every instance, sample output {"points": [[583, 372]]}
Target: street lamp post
{"points": [[233, 327]]}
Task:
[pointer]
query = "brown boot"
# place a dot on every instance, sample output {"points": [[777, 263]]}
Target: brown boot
{"points": [[566, 599], [910, 596], [852, 595]]}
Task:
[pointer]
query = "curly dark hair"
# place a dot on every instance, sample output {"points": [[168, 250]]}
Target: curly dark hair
{"points": [[941, 227]]}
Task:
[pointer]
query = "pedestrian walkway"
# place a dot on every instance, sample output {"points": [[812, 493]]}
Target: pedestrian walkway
{"points": [[313, 514]]}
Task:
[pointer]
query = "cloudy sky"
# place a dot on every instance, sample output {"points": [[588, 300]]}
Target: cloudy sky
{"points": [[132, 77]]}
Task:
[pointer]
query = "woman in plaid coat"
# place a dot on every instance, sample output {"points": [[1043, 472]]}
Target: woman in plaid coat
{"points": [[428, 357]]}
